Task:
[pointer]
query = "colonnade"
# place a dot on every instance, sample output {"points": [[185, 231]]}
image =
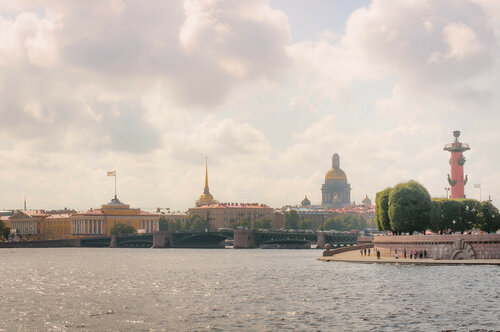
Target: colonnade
{"points": [[150, 225], [87, 227]]}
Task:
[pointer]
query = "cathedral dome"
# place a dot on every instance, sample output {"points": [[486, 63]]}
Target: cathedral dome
{"points": [[335, 174]]}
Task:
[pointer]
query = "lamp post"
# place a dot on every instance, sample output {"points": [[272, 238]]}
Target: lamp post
{"points": [[447, 191]]}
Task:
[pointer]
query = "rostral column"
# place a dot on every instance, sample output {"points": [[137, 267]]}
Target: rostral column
{"points": [[457, 161]]}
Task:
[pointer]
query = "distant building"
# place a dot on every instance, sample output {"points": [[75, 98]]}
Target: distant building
{"points": [[100, 221], [224, 215], [27, 223], [336, 192], [317, 214], [179, 216], [366, 201]]}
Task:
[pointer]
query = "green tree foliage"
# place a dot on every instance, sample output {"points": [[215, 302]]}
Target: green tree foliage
{"points": [[345, 222], [4, 231], [122, 229], [256, 224], [263, 223], [469, 209], [382, 210], [291, 220], [488, 218], [436, 217], [197, 223], [306, 224], [245, 223], [409, 207], [163, 224], [445, 214]]}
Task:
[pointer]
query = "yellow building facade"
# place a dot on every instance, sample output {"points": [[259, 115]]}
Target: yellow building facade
{"points": [[224, 215], [28, 223], [41, 225], [56, 227], [100, 221]]}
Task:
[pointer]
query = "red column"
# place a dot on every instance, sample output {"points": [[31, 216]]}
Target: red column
{"points": [[457, 174]]}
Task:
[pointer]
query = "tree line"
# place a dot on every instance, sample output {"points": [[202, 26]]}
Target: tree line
{"points": [[4, 230], [346, 222], [193, 223], [408, 208]]}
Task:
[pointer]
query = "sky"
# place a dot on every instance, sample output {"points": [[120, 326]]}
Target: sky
{"points": [[267, 90]]}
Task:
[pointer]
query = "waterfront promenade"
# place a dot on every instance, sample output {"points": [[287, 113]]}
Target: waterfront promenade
{"points": [[354, 256]]}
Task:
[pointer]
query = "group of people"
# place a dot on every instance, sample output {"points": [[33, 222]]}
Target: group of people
{"points": [[412, 254], [368, 252]]}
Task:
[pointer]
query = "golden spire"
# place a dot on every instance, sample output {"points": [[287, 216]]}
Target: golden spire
{"points": [[206, 198], [206, 190]]}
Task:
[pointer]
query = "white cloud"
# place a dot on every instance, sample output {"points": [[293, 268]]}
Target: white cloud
{"points": [[152, 88]]}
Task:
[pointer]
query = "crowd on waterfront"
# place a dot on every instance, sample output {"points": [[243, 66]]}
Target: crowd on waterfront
{"points": [[411, 254]]}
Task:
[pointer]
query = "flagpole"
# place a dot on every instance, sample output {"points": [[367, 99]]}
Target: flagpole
{"points": [[115, 184]]}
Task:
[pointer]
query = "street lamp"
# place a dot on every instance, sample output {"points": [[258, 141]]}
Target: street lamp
{"points": [[447, 191]]}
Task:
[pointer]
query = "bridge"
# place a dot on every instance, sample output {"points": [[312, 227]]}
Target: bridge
{"points": [[246, 238], [243, 238]]}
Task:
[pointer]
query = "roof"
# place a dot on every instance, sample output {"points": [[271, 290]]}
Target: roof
{"points": [[232, 206], [100, 212], [335, 174], [59, 216]]}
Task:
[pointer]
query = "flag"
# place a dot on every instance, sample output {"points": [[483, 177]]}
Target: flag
{"points": [[112, 173], [477, 186]]}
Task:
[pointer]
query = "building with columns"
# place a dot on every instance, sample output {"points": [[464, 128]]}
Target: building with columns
{"points": [[336, 191], [28, 223], [100, 221]]}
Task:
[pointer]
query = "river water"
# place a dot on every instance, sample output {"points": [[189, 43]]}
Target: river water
{"points": [[237, 290]]}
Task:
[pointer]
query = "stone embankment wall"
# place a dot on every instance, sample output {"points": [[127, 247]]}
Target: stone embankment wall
{"points": [[42, 244], [453, 246]]}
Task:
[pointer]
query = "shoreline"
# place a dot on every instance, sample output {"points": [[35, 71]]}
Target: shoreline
{"points": [[354, 257]]}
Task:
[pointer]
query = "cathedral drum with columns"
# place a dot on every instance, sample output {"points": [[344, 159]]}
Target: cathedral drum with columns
{"points": [[336, 192]]}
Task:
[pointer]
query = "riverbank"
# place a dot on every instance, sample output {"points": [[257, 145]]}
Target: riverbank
{"points": [[355, 257]]}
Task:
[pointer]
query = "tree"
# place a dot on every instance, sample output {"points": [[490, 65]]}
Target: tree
{"points": [[4, 231], [382, 210], [263, 223], [436, 217], [242, 223], [488, 218], [306, 224], [409, 207], [163, 224], [291, 220], [122, 229], [469, 210]]}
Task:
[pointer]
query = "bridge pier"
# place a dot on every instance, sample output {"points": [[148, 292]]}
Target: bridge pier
{"points": [[321, 239], [162, 239], [244, 239]]}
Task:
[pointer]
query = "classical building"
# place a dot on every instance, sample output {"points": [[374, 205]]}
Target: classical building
{"points": [[28, 223], [224, 215], [336, 192], [100, 221], [56, 226]]}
